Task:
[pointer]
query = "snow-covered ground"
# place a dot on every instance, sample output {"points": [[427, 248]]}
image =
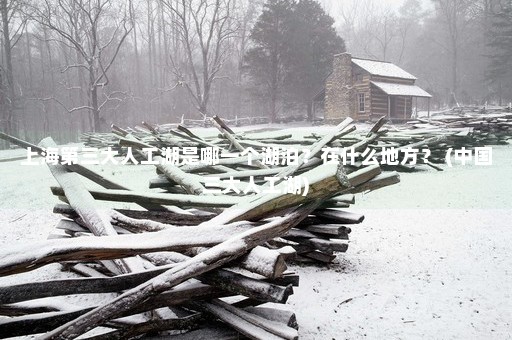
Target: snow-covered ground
{"points": [[431, 260]]}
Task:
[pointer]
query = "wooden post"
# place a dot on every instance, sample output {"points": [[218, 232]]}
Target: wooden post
{"points": [[428, 108], [416, 108], [389, 107], [405, 108]]}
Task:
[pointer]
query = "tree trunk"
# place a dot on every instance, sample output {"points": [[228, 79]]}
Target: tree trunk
{"points": [[454, 69], [51, 110], [140, 83], [309, 107], [29, 60], [95, 109], [93, 96], [9, 96], [81, 83], [273, 104]]}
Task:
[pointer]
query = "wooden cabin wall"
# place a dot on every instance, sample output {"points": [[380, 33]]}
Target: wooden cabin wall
{"points": [[379, 102], [362, 86], [400, 106], [379, 99], [393, 80]]}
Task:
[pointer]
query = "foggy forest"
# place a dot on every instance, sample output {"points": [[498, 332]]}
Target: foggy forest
{"points": [[70, 66]]}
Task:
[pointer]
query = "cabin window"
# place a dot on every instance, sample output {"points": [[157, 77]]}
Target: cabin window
{"points": [[360, 100]]}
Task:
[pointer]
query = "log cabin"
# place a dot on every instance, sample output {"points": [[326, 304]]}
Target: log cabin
{"points": [[365, 89]]}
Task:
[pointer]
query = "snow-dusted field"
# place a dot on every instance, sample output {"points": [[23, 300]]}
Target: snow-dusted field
{"points": [[433, 258]]}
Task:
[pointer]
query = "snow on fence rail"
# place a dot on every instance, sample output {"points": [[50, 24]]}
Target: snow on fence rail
{"points": [[185, 249]]}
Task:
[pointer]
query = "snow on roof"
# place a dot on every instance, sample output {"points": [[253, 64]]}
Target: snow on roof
{"points": [[382, 68], [401, 90]]}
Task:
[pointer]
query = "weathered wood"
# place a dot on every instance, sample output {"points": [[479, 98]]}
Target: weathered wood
{"points": [[376, 127], [166, 217], [189, 183], [266, 262], [77, 168], [229, 134], [316, 148], [32, 324], [378, 182], [95, 219], [36, 290], [287, 279], [325, 181], [158, 198], [246, 173], [332, 230], [278, 315], [19, 310], [217, 331], [197, 140], [242, 285], [339, 216], [260, 260], [249, 324], [84, 270], [424, 142], [347, 198], [154, 325], [228, 161], [298, 233], [20, 258], [319, 256], [328, 245], [206, 261]]}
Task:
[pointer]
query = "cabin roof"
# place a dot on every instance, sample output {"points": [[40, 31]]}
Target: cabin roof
{"points": [[401, 90], [382, 68]]}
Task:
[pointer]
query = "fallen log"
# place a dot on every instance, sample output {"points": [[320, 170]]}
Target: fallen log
{"points": [[21, 258], [158, 198], [324, 181], [332, 230], [251, 325], [154, 325], [166, 217], [278, 315], [339, 216], [41, 323]]}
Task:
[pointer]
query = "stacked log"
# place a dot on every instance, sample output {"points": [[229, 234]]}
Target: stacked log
{"points": [[493, 128], [186, 261], [433, 138]]}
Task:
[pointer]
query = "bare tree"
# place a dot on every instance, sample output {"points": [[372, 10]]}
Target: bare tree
{"points": [[454, 16], [204, 28], [384, 32], [408, 20], [349, 20], [13, 24], [96, 30]]}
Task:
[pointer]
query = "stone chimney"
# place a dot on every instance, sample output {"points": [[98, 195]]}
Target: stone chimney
{"points": [[339, 93]]}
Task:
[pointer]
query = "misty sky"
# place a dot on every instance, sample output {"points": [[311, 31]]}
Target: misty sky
{"points": [[390, 3], [334, 5]]}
